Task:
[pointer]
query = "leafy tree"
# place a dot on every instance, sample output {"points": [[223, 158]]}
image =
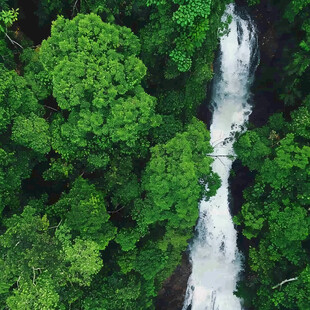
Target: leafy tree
{"points": [[7, 18], [32, 132], [186, 24], [35, 75], [275, 212], [37, 261], [84, 209], [25, 136], [7, 56], [39, 296], [84, 259], [179, 84], [176, 177], [15, 98], [14, 167], [26, 246], [48, 10], [58, 170], [107, 108], [121, 292], [174, 181]]}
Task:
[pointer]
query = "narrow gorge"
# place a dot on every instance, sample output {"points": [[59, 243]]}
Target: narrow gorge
{"points": [[216, 261]]}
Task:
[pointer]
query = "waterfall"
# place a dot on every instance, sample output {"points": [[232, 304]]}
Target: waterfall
{"points": [[216, 262]]}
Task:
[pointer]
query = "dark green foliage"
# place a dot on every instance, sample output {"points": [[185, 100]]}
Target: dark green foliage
{"points": [[15, 98], [35, 75], [121, 292], [179, 93], [48, 10], [7, 56], [253, 2], [99, 180], [181, 28], [275, 215], [102, 163], [24, 135], [275, 212], [42, 263]]}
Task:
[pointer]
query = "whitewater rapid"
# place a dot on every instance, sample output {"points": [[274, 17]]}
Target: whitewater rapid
{"points": [[216, 261]]}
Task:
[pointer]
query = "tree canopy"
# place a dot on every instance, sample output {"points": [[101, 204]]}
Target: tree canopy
{"points": [[275, 214], [102, 159]]}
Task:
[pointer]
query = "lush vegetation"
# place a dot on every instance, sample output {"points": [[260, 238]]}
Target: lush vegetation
{"points": [[275, 215], [102, 159]]}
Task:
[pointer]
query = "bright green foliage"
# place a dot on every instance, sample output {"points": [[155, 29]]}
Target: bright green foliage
{"points": [[61, 56], [102, 93], [253, 149], [41, 295], [84, 259], [136, 260], [15, 98], [127, 238], [172, 178], [43, 264], [7, 18], [287, 228], [174, 181], [190, 20], [32, 132], [84, 209]]}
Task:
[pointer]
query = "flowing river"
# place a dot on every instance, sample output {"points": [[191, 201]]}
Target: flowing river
{"points": [[216, 262]]}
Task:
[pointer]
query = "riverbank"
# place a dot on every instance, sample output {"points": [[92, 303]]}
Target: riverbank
{"points": [[171, 296], [265, 99]]}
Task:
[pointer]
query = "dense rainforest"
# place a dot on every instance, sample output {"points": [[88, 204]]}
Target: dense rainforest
{"points": [[103, 159], [275, 213]]}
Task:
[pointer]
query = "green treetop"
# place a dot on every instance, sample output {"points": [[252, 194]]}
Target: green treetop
{"points": [[96, 79], [24, 135], [185, 23]]}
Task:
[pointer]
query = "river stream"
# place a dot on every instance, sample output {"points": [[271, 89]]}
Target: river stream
{"points": [[216, 261]]}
